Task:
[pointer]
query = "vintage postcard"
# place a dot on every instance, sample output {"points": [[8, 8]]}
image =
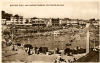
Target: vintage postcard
{"points": [[50, 31]]}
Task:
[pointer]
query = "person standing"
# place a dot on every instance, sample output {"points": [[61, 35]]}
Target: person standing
{"points": [[55, 60], [59, 57], [12, 47], [22, 46], [29, 52], [74, 59]]}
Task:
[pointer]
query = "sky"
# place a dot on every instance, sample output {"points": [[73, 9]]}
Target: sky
{"points": [[73, 10]]}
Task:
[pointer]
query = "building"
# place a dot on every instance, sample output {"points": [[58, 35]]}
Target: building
{"points": [[27, 21], [47, 22], [38, 22], [55, 21], [82, 22], [17, 19], [8, 22], [72, 22], [20, 21], [96, 23], [62, 22], [3, 21], [6, 18]]}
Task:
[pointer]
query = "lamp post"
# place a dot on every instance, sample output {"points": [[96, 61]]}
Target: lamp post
{"points": [[35, 41], [62, 44], [12, 36], [40, 41], [94, 43], [28, 40]]}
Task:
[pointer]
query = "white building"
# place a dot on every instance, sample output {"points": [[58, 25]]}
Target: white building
{"points": [[3, 21], [72, 21]]}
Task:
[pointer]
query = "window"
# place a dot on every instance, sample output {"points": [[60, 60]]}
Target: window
{"points": [[36, 21], [42, 21], [16, 19], [20, 19], [33, 21], [21, 23]]}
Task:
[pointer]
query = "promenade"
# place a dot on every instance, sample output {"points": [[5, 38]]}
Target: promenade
{"points": [[22, 56]]}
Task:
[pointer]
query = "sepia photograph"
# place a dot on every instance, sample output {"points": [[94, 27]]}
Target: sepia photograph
{"points": [[50, 32]]}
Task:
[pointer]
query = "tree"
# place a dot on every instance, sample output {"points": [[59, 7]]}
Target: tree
{"points": [[34, 18], [16, 16], [8, 16], [3, 14]]}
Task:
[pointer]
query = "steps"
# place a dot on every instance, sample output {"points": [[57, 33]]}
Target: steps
{"points": [[93, 56]]}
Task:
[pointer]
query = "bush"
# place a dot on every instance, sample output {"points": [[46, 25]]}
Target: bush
{"points": [[79, 51], [67, 50], [43, 50], [74, 52]]}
